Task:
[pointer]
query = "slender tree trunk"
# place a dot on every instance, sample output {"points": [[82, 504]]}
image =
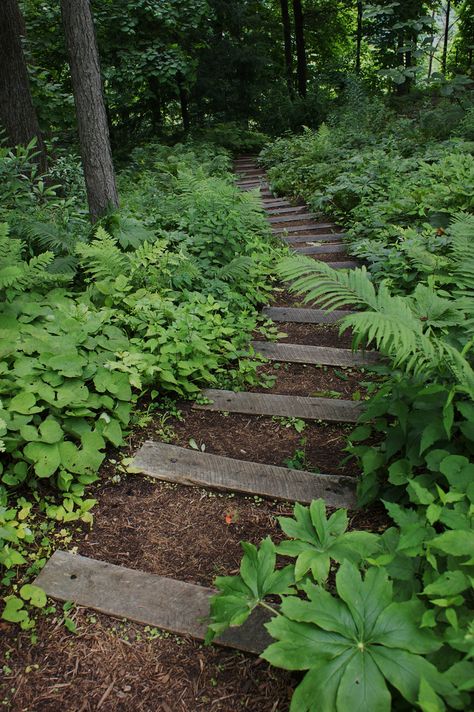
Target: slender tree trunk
{"points": [[285, 21], [184, 101], [446, 37], [90, 108], [430, 63], [301, 69], [17, 113], [155, 104], [359, 35]]}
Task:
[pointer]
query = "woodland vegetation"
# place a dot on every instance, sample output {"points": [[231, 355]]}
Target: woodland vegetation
{"points": [[133, 270]]}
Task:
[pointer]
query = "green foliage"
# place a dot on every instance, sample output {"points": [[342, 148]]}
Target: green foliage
{"points": [[367, 640], [390, 180], [166, 303]]}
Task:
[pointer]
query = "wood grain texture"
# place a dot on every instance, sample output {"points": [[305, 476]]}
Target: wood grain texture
{"points": [[331, 409], [324, 355], [276, 201], [291, 218], [287, 210], [200, 469], [301, 228], [320, 249], [161, 602], [316, 237], [303, 315]]}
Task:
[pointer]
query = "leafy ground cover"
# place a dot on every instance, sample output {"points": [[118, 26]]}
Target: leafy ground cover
{"points": [[382, 621], [159, 298]]}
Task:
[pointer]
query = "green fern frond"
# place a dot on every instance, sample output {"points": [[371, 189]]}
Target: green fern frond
{"points": [[462, 250], [102, 258], [326, 287], [237, 269]]}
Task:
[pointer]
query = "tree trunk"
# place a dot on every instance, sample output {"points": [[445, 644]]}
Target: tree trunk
{"points": [[359, 35], [301, 69], [184, 101], [90, 108], [285, 21], [17, 113], [155, 103], [432, 51], [446, 38]]}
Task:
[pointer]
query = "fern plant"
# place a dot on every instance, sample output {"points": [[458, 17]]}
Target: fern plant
{"points": [[19, 275], [412, 331]]}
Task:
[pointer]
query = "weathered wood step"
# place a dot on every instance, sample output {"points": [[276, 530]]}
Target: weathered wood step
{"points": [[157, 601], [276, 201], [320, 249], [250, 171], [324, 355], [200, 469], [286, 210], [316, 237], [301, 228], [301, 217], [304, 315], [338, 410], [250, 183]]}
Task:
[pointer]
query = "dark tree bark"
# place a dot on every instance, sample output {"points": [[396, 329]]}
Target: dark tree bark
{"points": [[432, 51], [184, 101], [90, 108], [359, 35], [17, 113], [301, 68], [155, 103], [446, 37], [285, 21]]}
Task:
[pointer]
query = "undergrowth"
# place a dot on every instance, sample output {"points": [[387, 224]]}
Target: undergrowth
{"points": [[160, 298], [383, 621]]}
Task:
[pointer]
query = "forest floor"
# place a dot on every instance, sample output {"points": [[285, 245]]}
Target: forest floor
{"points": [[190, 534]]}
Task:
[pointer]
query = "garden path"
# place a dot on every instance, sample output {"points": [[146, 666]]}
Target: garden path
{"points": [[179, 606]]}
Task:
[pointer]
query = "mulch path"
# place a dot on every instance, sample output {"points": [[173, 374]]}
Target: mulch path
{"points": [[187, 533]]}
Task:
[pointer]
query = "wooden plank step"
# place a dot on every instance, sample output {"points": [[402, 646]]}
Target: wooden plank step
{"points": [[301, 228], [285, 210], [274, 201], [200, 469], [286, 406], [304, 315], [317, 237], [291, 218], [157, 601], [319, 249], [300, 353], [249, 171], [248, 183]]}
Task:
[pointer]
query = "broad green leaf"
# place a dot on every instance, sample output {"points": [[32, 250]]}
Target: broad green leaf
{"points": [[24, 403], [398, 627], [448, 584], [363, 687], [318, 689], [301, 645], [428, 700], [456, 543], [14, 611], [404, 671], [45, 456], [34, 594], [51, 431], [323, 610], [367, 598]]}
